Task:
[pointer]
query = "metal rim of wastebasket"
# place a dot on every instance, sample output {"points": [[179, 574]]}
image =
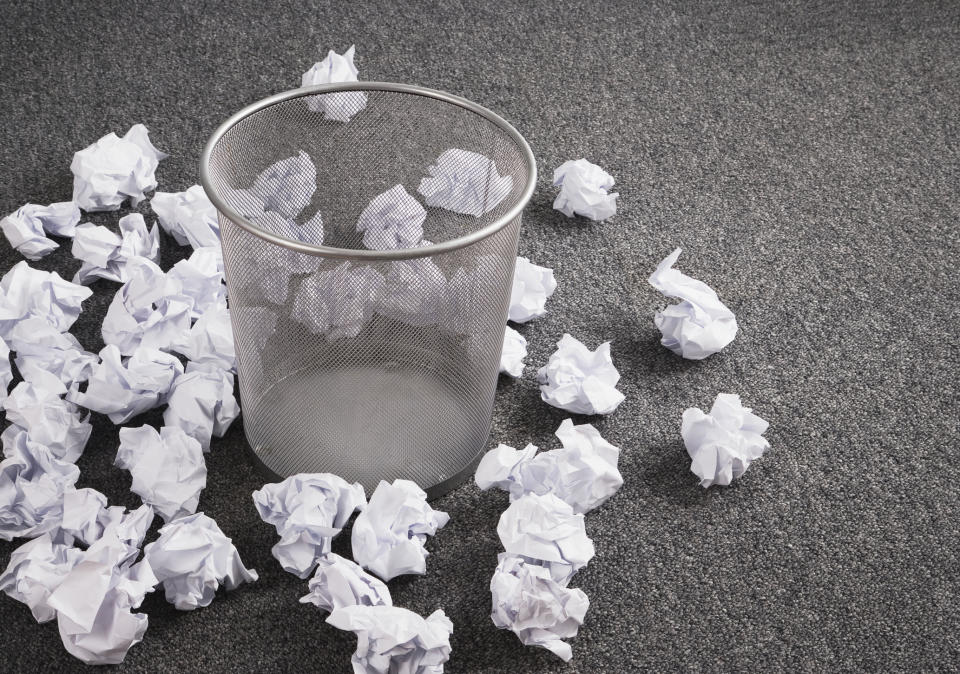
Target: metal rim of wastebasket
{"points": [[360, 254]]}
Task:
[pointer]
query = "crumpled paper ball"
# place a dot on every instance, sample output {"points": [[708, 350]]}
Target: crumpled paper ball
{"points": [[723, 443]]}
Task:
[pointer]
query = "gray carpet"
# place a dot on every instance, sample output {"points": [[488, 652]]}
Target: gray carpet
{"points": [[806, 156]]}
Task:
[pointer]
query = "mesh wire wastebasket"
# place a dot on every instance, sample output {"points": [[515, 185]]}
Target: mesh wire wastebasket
{"points": [[369, 361]]}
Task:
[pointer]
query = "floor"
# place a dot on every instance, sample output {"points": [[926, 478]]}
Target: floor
{"points": [[806, 156]]}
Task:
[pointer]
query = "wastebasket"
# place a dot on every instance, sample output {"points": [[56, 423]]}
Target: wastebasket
{"points": [[361, 353]]}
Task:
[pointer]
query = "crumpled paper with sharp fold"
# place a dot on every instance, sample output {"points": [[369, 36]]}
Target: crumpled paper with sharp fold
{"points": [[44, 352], [532, 286], [340, 106], [35, 570], [339, 302], [339, 582], [539, 610], [148, 310], [38, 567], [32, 484], [584, 190], [699, 325], [192, 558], [201, 402], [6, 371], [394, 640], [579, 380], [106, 254], [25, 292], [59, 219], [48, 419], [513, 352], [464, 182], [122, 389], [582, 474], [189, 217], [87, 515], [393, 219], [210, 341], [168, 468], [27, 227], [201, 279], [287, 186], [723, 443], [546, 531], [308, 510], [389, 535], [94, 601], [502, 467], [113, 168]]}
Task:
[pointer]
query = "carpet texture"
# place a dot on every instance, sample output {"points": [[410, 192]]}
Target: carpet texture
{"points": [[806, 156]]}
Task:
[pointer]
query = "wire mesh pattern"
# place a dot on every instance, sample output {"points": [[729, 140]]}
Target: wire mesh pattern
{"points": [[368, 367]]}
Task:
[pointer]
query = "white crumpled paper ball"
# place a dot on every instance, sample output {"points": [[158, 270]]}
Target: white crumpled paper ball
{"points": [[579, 380], [723, 443], [584, 190]]}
